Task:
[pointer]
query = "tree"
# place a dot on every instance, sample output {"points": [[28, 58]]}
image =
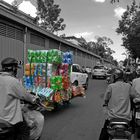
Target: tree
{"points": [[125, 62], [115, 62], [101, 47], [129, 27], [103, 44], [48, 16], [92, 47]]}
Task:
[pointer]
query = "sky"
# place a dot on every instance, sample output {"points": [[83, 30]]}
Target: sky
{"points": [[89, 18]]}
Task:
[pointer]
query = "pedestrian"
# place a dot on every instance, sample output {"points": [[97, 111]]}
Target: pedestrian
{"points": [[116, 102]]}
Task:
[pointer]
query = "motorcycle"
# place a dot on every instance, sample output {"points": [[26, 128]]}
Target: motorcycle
{"points": [[137, 116], [6, 131], [119, 129], [33, 118], [108, 78]]}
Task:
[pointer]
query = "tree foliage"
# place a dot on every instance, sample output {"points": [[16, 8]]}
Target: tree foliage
{"points": [[48, 16], [103, 44], [129, 27], [100, 47], [115, 62]]}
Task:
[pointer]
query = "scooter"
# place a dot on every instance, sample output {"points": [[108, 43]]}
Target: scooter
{"points": [[119, 129], [8, 132]]}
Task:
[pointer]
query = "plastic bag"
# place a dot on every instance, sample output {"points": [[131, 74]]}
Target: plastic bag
{"points": [[35, 121]]}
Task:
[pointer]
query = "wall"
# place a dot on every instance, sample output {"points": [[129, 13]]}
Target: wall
{"points": [[16, 38], [11, 42]]}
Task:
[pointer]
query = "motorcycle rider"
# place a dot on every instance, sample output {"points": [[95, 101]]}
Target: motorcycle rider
{"points": [[136, 88], [116, 102], [11, 92]]}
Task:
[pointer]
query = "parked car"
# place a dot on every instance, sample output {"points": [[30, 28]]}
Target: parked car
{"points": [[99, 71], [78, 76]]}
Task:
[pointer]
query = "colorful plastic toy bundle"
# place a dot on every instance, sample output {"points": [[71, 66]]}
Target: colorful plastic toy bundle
{"points": [[47, 73], [67, 57], [56, 83], [54, 56], [37, 56], [64, 69], [78, 91]]}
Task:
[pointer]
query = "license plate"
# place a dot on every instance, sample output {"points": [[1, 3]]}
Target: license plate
{"points": [[137, 115]]}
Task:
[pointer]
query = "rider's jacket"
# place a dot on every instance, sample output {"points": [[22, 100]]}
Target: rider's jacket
{"points": [[136, 87], [11, 91], [118, 97]]}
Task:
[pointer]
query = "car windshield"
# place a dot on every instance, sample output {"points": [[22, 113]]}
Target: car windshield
{"points": [[98, 67]]}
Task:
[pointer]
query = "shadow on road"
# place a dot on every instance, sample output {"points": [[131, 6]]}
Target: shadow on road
{"points": [[60, 110]]}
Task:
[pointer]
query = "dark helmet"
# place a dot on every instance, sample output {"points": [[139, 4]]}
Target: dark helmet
{"points": [[118, 74], [10, 65]]}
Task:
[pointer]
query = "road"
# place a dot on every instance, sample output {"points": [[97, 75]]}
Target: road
{"points": [[81, 120]]}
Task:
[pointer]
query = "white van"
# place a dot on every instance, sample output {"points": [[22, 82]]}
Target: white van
{"points": [[78, 77]]}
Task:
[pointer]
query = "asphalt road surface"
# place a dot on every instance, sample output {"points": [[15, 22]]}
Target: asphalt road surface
{"points": [[81, 120]]}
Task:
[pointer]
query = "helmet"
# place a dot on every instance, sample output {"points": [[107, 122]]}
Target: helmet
{"points": [[10, 65], [9, 62], [118, 74]]}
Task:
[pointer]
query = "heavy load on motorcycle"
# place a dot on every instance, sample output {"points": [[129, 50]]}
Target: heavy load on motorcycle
{"points": [[47, 74]]}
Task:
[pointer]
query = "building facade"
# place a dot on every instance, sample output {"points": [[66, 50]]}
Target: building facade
{"points": [[19, 32]]}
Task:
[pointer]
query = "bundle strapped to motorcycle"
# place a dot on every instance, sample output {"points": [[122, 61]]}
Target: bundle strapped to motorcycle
{"points": [[47, 74]]}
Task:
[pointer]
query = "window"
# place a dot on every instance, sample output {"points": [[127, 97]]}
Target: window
{"points": [[37, 40], [2, 29], [11, 32], [19, 35], [75, 68]]}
